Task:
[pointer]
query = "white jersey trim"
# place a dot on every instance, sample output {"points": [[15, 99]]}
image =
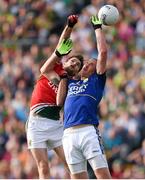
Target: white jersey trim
{"points": [[82, 95], [40, 105]]}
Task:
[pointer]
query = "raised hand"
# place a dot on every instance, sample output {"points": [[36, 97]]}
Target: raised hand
{"points": [[96, 23], [72, 20], [64, 48]]}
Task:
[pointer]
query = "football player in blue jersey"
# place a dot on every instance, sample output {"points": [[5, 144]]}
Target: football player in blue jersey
{"points": [[81, 140]]}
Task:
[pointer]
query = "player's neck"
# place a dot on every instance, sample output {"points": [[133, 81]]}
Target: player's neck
{"points": [[84, 77]]}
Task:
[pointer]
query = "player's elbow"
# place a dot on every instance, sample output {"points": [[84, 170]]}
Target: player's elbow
{"points": [[103, 54], [44, 70], [59, 102], [41, 70]]}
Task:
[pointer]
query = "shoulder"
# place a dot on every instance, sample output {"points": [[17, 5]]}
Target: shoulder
{"points": [[101, 78], [95, 74], [58, 68]]}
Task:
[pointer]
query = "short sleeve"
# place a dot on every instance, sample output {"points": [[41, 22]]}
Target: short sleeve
{"points": [[101, 78]]}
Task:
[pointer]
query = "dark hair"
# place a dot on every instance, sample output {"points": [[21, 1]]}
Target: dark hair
{"points": [[80, 58]]}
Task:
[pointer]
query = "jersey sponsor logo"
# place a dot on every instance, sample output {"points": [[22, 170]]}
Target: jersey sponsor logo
{"points": [[53, 86], [76, 89], [95, 151]]}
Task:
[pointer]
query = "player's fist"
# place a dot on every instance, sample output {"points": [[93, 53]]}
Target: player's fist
{"points": [[72, 20]]}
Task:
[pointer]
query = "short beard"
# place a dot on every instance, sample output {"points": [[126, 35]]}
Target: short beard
{"points": [[70, 72]]}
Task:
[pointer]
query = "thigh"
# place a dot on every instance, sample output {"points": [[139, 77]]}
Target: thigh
{"points": [[36, 137], [40, 155], [72, 150], [55, 138], [100, 166], [82, 175], [79, 170], [92, 143], [60, 153], [102, 173], [98, 162], [44, 133]]}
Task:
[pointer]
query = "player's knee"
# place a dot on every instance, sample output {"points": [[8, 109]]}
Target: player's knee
{"points": [[100, 167], [102, 173], [43, 167]]}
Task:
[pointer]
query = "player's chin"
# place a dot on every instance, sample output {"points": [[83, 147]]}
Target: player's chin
{"points": [[70, 72], [84, 73]]}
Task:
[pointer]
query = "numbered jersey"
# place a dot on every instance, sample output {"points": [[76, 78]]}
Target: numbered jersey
{"points": [[44, 92], [82, 100]]}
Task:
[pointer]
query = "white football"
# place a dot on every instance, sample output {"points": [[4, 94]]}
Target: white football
{"points": [[108, 14]]}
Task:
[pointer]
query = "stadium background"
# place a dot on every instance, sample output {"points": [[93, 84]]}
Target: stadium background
{"points": [[29, 31]]}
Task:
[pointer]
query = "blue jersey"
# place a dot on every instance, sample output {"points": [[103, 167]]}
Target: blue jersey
{"points": [[82, 100]]}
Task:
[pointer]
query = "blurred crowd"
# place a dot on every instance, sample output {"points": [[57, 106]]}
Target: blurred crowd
{"points": [[29, 32]]}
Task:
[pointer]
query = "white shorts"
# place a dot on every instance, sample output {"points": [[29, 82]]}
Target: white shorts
{"points": [[43, 132], [81, 144]]}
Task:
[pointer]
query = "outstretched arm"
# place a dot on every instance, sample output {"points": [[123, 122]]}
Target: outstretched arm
{"points": [[101, 46], [50, 62], [71, 21]]}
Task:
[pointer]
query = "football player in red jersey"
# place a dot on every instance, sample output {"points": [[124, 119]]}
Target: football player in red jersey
{"points": [[44, 130]]}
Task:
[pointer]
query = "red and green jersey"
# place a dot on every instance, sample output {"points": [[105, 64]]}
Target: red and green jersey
{"points": [[44, 93]]}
